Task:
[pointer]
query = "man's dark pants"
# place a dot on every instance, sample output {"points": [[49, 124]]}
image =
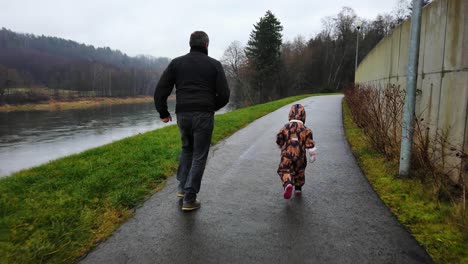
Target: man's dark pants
{"points": [[196, 129]]}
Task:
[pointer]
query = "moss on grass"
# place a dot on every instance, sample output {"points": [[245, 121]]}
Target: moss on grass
{"points": [[431, 222]]}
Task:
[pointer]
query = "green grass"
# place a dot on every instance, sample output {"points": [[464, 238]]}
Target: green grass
{"points": [[78, 103], [58, 211], [45, 90], [19, 90], [431, 222]]}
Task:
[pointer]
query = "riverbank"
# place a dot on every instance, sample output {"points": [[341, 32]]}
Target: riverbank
{"points": [[435, 224], [59, 211], [80, 103]]}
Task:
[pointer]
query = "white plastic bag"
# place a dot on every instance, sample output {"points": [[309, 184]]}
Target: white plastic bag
{"points": [[312, 154]]}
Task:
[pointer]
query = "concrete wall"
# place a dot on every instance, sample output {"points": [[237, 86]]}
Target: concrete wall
{"points": [[442, 97]]}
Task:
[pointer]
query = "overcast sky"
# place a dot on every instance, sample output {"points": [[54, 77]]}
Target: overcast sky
{"points": [[162, 28]]}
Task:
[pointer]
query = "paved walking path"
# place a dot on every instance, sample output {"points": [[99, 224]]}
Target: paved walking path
{"points": [[244, 218]]}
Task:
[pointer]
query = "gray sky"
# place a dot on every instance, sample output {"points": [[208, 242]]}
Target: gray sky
{"points": [[162, 28]]}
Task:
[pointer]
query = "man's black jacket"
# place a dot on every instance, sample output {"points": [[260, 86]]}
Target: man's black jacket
{"points": [[200, 82]]}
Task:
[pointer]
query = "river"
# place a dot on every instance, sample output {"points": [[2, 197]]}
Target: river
{"points": [[31, 138]]}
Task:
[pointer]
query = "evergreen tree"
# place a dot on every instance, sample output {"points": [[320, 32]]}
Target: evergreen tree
{"points": [[263, 53]]}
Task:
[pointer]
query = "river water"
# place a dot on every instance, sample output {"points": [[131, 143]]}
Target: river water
{"points": [[31, 138]]}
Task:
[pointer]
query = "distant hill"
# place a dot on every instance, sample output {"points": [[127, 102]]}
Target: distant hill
{"points": [[64, 65]]}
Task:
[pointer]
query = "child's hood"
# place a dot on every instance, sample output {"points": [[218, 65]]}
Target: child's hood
{"points": [[297, 112]]}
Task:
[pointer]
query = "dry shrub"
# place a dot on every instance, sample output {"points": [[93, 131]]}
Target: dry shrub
{"points": [[435, 159], [378, 111]]}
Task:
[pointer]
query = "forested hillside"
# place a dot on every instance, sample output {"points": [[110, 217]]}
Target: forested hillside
{"points": [[70, 69]]}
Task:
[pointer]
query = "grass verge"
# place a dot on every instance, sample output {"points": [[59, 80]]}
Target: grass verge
{"points": [[430, 221], [80, 103], [58, 211]]}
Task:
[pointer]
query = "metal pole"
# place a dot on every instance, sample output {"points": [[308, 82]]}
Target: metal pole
{"points": [[357, 49], [411, 81]]}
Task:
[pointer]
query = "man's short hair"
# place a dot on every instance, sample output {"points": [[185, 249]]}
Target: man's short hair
{"points": [[199, 39]]}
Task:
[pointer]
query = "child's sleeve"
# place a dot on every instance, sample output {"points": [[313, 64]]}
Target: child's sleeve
{"points": [[280, 139], [310, 143]]}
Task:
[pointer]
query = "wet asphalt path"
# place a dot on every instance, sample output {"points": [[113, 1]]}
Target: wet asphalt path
{"points": [[244, 218]]}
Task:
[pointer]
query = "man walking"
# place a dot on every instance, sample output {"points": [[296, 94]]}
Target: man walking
{"points": [[201, 89]]}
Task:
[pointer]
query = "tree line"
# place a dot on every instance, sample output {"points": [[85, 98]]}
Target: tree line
{"points": [[69, 68], [268, 68]]}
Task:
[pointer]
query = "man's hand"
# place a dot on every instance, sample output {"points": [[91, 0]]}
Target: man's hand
{"points": [[167, 119]]}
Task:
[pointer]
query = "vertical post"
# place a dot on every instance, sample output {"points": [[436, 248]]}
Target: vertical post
{"points": [[411, 81], [357, 50]]}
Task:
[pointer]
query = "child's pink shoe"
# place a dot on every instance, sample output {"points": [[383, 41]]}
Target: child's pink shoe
{"points": [[298, 190], [288, 191]]}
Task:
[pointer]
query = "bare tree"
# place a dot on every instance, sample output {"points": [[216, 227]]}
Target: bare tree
{"points": [[235, 64], [344, 31], [233, 59], [403, 9], [3, 82]]}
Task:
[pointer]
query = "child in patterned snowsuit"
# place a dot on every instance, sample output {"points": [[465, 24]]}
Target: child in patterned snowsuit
{"points": [[293, 139]]}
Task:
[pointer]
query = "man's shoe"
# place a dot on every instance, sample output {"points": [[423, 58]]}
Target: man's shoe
{"points": [[180, 194], [288, 191], [191, 206]]}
